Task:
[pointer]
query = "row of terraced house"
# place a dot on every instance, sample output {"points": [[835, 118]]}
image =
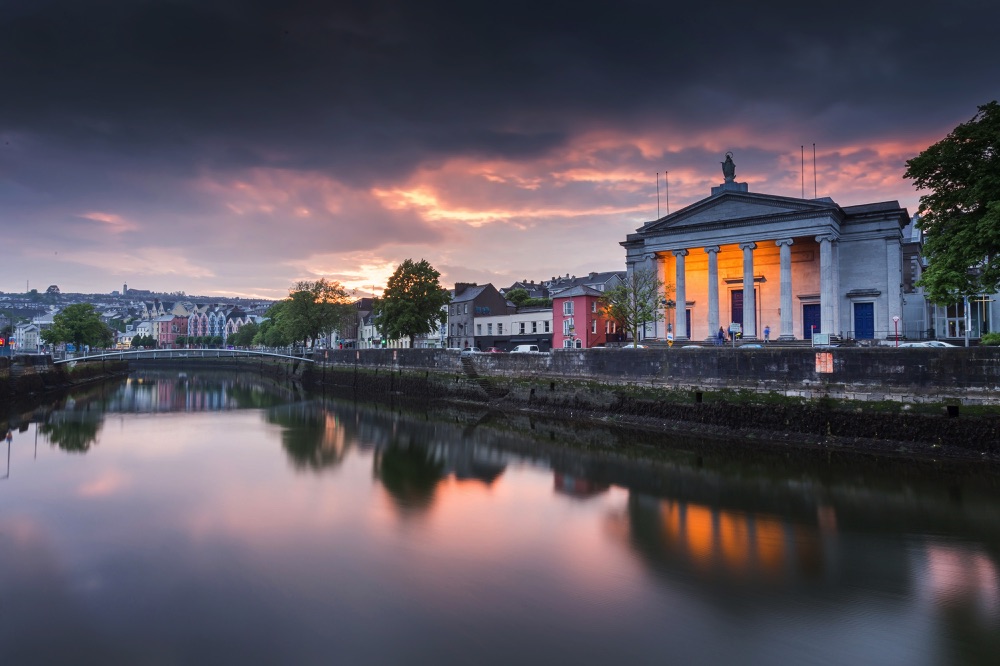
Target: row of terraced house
{"points": [[482, 316], [163, 322]]}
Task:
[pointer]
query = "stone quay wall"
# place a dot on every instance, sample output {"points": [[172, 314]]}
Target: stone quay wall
{"points": [[911, 375], [893, 395]]}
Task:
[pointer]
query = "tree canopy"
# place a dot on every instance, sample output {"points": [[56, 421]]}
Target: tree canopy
{"points": [[960, 215], [413, 301], [312, 310], [79, 324], [634, 302]]}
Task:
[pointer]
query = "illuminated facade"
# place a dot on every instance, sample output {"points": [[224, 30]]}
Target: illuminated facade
{"points": [[814, 266]]}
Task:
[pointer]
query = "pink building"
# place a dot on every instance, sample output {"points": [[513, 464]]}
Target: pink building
{"points": [[578, 322]]}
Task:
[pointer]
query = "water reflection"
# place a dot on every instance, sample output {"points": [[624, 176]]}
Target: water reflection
{"points": [[410, 474], [256, 525], [74, 432], [311, 436]]}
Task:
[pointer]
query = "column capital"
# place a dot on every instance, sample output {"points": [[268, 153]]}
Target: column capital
{"points": [[827, 237], [713, 248], [784, 241], [748, 246], [680, 253]]}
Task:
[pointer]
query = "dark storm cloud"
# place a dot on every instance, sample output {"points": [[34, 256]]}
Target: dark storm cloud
{"points": [[368, 90], [190, 138]]}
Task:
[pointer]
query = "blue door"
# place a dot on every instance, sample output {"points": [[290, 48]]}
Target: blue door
{"points": [[810, 320], [864, 321]]}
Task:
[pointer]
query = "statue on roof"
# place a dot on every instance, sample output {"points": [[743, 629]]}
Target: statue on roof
{"points": [[729, 168]]}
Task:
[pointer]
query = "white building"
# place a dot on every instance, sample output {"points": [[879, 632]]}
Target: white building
{"points": [[796, 266]]}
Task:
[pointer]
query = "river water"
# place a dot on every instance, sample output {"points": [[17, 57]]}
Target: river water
{"points": [[220, 519]]}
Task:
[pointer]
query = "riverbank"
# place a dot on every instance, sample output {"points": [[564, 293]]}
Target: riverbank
{"points": [[925, 428], [28, 378]]}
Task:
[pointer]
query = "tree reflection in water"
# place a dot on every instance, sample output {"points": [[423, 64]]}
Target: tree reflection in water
{"points": [[410, 474], [312, 437], [71, 432]]}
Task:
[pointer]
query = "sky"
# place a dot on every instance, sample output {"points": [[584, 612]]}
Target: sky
{"points": [[236, 147]]}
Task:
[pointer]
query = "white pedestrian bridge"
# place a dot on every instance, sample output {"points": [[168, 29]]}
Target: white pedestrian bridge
{"points": [[180, 355]]}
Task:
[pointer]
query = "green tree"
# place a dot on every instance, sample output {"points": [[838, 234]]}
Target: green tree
{"points": [[960, 215], [634, 302], [181, 340], [245, 335], [146, 341], [517, 296], [312, 310], [413, 301], [79, 324], [270, 332]]}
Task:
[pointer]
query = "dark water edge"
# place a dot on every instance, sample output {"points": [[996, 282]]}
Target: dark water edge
{"points": [[883, 428]]}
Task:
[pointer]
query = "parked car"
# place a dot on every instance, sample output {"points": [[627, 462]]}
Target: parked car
{"points": [[525, 349], [495, 350], [634, 346], [928, 343], [471, 350]]}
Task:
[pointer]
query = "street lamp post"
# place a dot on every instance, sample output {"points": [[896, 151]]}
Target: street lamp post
{"points": [[895, 323]]}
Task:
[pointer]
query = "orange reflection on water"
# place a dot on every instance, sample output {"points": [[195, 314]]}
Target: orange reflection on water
{"points": [[736, 542]]}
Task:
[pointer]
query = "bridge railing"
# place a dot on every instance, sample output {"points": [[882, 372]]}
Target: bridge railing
{"points": [[167, 354]]}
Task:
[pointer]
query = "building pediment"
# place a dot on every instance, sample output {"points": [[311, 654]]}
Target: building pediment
{"points": [[740, 207]]}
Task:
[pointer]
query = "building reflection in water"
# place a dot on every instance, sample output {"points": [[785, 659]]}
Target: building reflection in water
{"points": [[723, 543], [577, 486]]}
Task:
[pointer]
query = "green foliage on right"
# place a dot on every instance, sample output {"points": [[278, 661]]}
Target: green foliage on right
{"points": [[990, 339], [960, 216], [413, 301]]}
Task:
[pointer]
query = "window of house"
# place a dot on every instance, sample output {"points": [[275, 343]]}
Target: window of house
{"points": [[593, 306], [534, 327], [593, 326], [547, 326], [479, 329], [567, 308], [521, 327], [466, 309], [499, 329], [567, 344], [489, 329], [568, 326]]}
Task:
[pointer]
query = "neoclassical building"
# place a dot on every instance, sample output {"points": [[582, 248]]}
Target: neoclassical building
{"points": [[814, 266]]}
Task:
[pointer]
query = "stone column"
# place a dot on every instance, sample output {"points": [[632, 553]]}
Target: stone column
{"points": [[661, 298], [838, 323], [649, 328], [749, 303], [787, 309], [894, 286], [713, 291], [827, 295], [680, 291]]}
